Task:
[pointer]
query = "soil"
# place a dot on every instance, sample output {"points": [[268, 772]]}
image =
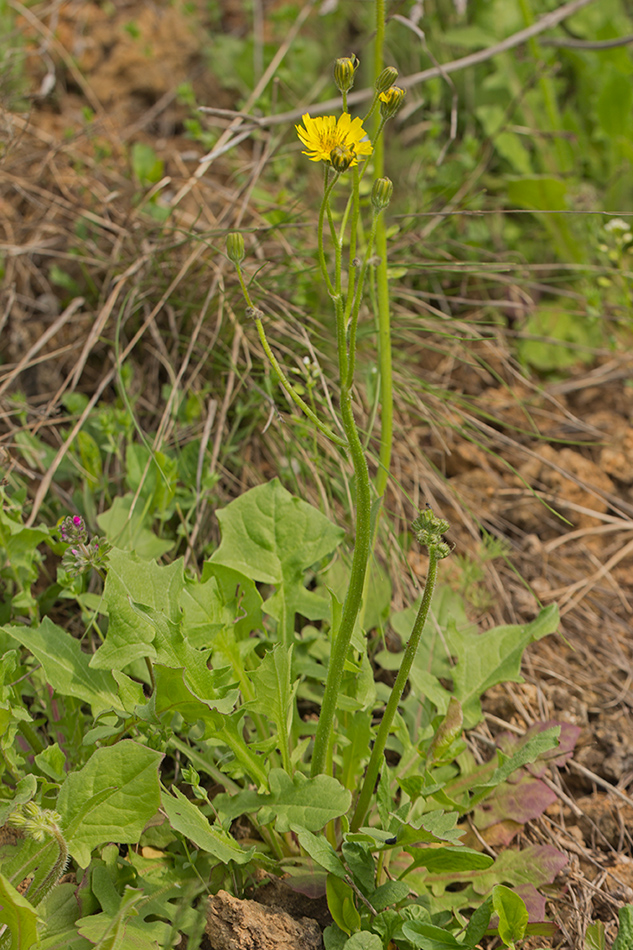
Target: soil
{"points": [[555, 477]]}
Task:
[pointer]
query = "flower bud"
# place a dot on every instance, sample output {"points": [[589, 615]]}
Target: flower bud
{"points": [[429, 531], [381, 193], [386, 79], [390, 101], [342, 156], [254, 313], [235, 247], [73, 529], [344, 70]]}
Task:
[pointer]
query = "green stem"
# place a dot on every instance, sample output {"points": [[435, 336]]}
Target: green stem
{"points": [[384, 360], [377, 755], [357, 301], [296, 398], [351, 270], [283, 380], [31, 736], [354, 595], [384, 320], [55, 872], [327, 190]]}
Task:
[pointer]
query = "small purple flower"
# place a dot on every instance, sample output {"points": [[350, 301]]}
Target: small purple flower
{"points": [[73, 529], [86, 552]]}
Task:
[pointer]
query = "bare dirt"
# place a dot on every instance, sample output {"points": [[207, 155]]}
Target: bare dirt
{"points": [[558, 483]]}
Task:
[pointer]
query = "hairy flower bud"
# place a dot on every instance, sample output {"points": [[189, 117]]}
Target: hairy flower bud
{"points": [[381, 192], [344, 71], [235, 247], [73, 529], [342, 157], [390, 101], [386, 79], [429, 531]]}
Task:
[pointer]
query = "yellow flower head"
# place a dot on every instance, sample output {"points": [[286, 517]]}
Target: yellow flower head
{"points": [[324, 133]]}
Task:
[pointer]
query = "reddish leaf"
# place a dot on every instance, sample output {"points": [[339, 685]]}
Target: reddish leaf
{"points": [[520, 801]]}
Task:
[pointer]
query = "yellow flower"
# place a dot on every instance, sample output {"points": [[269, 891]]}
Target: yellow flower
{"points": [[324, 133]]}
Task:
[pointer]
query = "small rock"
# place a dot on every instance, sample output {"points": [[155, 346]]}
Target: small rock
{"points": [[234, 924]]}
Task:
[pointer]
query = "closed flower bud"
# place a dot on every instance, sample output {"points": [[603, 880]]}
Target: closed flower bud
{"points": [[342, 157], [386, 79], [235, 247], [381, 193], [344, 70], [429, 531], [390, 101]]}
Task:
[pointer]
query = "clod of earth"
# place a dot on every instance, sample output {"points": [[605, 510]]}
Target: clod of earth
{"points": [[234, 924]]}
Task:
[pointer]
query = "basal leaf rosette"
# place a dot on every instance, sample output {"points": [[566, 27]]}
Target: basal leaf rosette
{"points": [[323, 134]]}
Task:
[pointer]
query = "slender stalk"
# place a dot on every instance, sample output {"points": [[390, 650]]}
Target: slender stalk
{"points": [[296, 398], [327, 188], [377, 755], [357, 300], [283, 380], [384, 320]]}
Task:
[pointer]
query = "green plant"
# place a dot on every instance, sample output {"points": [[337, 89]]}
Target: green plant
{"points": [[227, 671], [229, 704]]}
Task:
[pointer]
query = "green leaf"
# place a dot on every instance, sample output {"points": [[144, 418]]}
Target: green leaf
{"points": [[428, 936], [59, 910], [492, 657], [513, 914], [359, 859], [66, 666], [363, 940], [570, 339], [302, 802], [614, 105], [334, 938], [340, 901], [130, 581], [446, 860], [125, 528], [529, 752], [110, 799], [624, 939], [273, 537], [174, 693], [434, 827], [148, 168], [321, 851], [122, 928], [52, 762], [24, 791], [541, 193], [187, 819], [594, 936], [478, 924], [90, 456], [19, 916], [273, 691], [391, 892]]}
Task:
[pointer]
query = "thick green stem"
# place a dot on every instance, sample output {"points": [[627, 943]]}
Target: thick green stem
{"points": [[354, 596], [377, 755]]}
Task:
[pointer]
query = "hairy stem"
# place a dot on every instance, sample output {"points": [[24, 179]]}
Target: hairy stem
{"points": [[355, 590], [377, 755]]}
